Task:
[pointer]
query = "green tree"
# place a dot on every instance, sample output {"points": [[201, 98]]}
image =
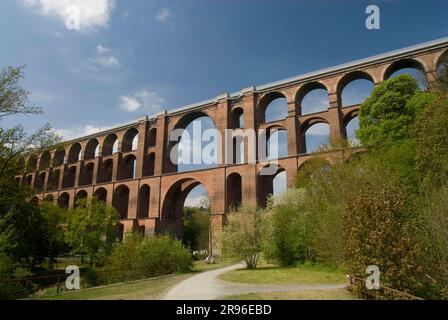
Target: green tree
{"points": [[22, 226], [88, 226], [196, 228], [430, 134], [290, 229], [386, 117], [148, 256], [54, 219], [244, 236]]}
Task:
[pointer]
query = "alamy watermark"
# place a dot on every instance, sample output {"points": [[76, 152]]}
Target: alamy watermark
{"points": [[73, 281], [373, 20], [212, 147]]}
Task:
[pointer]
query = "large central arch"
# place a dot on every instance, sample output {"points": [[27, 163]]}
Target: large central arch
{"points": [[171, 219]]}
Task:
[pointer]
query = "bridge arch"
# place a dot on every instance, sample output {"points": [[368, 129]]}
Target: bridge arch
{"points": [[58, 158], [40, 181], [186, 123], [31, 164], [354, 87], [106, 170], [128, 167], [265, 183], [414, 67], [120, 201], [53, 180], [130, 140], [315, 132], [442, 65], [273, 106], [64, 200], [234, 191], [151, 137], [44, 161], [110, 145], [87, 174], [312, 97], [74, 153], [100, 194], [92, 149], [80, 195], [144, 197], [69, 177], [173, 204]]}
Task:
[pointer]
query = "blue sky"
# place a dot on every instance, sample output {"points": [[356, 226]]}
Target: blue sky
{"points": [[137, 57]]}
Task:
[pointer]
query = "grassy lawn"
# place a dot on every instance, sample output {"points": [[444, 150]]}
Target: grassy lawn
{"points": [[334, 294], [150, 289], [304, 275], [201, 266]]}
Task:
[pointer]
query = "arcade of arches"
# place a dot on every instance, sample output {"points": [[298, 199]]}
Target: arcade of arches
{"points": [[129, 167]]}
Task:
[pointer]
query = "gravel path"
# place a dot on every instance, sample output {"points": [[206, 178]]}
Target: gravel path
{"points": [[207, 286]]}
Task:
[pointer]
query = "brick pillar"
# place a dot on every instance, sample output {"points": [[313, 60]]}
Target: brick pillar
{"points": [[33, 179], [141, 149], [222, 123], [71, 200], [79, 168], [249, 177], [116, 158], [47, 177], [96, 164], [62, 172], [292, 128], [162, 161], [155, 203], [134, 192], [334, 116]]}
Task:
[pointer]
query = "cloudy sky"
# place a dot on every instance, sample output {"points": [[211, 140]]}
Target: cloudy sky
{"points": [[132, 58]]}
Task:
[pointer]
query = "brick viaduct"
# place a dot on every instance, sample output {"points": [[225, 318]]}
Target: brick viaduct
{"points": [[139, 180]]}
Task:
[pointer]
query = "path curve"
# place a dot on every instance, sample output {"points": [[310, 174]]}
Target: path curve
{"points": [[207, 286]]}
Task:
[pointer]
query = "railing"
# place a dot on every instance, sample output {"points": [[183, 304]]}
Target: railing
{"points": [[357, 284], [17, 288]]}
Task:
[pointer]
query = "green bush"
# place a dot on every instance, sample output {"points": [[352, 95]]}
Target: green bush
{"points": [[290, 230], [138, 256], [245, 234]]}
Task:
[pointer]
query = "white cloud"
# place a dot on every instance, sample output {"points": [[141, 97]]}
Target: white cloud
{"points": [[92, 13], [197, 202], [145, 99], [164, 14], [102, 49], [76, 132], [105, 58], [108, 61], [129, 104]]}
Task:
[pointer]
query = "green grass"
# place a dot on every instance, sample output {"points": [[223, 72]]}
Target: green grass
{"points": [[201, 266], [304, 275], [333, 294], [150, 289]]}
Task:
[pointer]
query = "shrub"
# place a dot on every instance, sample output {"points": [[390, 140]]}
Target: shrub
{"points": [[164, 255], [137, 256], [245, 234], [379, 229], [290, 230]]}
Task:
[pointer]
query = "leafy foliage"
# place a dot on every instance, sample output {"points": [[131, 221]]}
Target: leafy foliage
{"points": [[88, 226], [245, 234], [156, 255], [388, 114], [196, 228]]}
